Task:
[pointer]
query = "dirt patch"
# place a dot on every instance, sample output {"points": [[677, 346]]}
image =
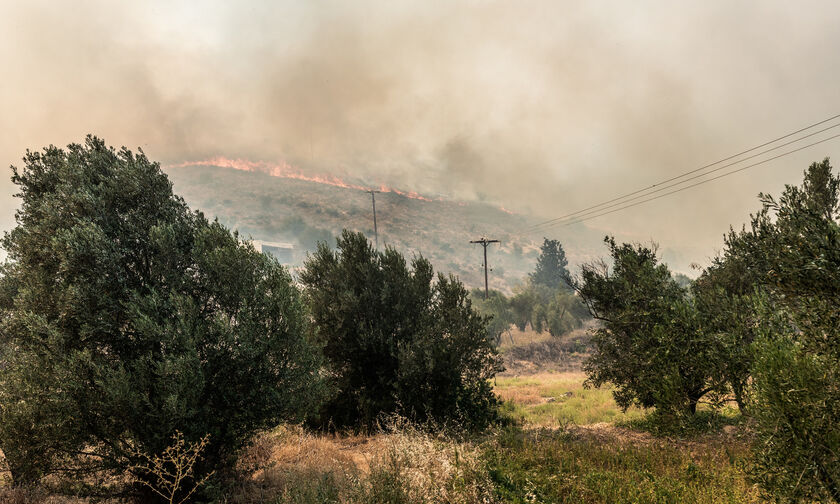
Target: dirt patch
{"points": [[609, 433], [558, 364], [550, 354]]}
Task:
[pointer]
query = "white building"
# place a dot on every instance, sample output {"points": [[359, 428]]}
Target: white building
{"points": [[284, 252]]}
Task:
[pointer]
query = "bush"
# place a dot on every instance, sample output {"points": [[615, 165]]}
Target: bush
{"points": [[545, 309], [395, 340], [496, 308], [125, 317], [796, 411]]}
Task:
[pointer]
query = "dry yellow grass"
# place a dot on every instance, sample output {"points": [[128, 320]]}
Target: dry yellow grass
{"points": [[529, 352], [598, 463], [292, 465], [519, 338], [556, 399]]}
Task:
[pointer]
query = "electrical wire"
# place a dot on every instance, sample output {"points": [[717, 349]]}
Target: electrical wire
{"points": [[695, 177], [690, 172], [699, 183]]}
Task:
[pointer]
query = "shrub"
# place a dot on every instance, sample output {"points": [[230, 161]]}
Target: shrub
{"points": [[496, 308], [170, 474], [796, 411], [557, 311], [125, 317], [396, 340]]}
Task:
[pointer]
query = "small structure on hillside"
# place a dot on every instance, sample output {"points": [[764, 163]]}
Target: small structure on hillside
{"points": [[284, 252]]}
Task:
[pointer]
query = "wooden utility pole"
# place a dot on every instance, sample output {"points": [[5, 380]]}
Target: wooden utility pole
{"points": [[375, 231], [484, 242]]}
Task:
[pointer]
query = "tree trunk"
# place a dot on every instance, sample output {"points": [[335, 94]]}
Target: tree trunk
{"points": [[692, 406], [20, 477], [15, 476], [738, 391]]}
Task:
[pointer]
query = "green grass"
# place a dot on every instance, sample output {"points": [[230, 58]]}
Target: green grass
{"points": [[557, 399], [705, 421], [559, 468]]}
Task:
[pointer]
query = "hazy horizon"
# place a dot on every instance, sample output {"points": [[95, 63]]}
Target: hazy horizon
{"points": [[544, 107]]}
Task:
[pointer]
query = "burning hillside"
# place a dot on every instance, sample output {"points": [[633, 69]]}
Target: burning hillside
{"points": [[281, 202], [286, 170]]}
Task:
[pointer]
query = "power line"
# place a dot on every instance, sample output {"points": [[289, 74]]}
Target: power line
{"points": [[583, 213], [484, 242], [701, 168], [728, 158], [701, 182], [373, 201]]}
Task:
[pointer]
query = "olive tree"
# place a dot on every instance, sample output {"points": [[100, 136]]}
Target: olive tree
{"points": [[796, 375], [651, 344], [125, 318], [397, 339]]}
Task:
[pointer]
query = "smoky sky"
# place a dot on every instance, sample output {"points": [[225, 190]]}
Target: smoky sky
{"points": [[542, 106]]}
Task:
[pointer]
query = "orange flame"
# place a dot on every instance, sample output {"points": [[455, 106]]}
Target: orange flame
{"points": [[285, 170]]}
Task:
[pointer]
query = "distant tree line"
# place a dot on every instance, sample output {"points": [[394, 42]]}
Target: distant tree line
{"points": [[761, 325], [544, 302], [133, 329]]}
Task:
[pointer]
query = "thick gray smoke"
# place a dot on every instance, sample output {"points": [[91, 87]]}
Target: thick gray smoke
{"points": [[542, 106]]}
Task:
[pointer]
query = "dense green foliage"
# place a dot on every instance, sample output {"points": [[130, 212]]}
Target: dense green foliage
{"points": [[729, 317], [728, 295], [771, 298], [557, 312], [124, 318], [794, 243], [551, 270], [797, 410], [544, 309], [396, 340], [651, 344]]}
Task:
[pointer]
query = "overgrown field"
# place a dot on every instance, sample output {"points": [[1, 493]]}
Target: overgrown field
{"points": [[603, 465], [563, 443], [568, 444]]}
